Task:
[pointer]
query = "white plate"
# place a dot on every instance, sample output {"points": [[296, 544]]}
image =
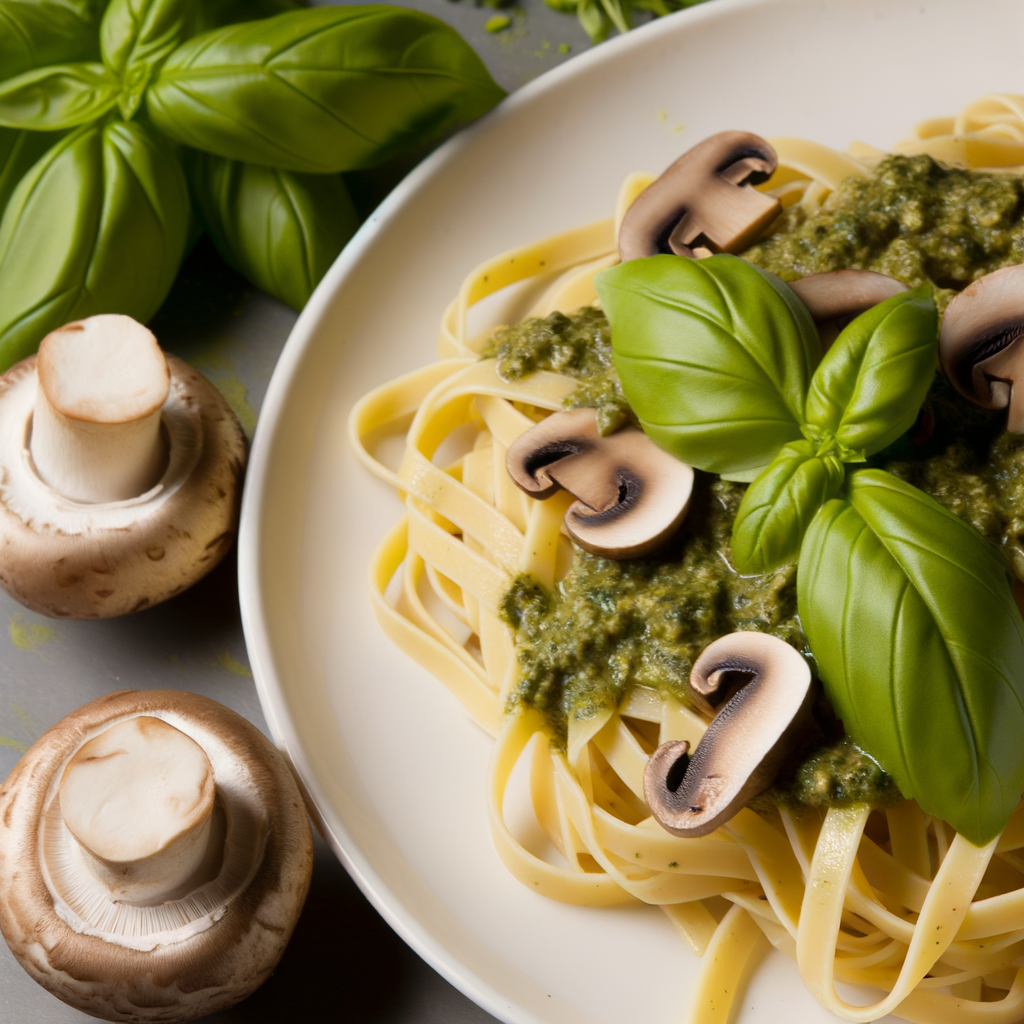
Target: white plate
{"points": [[393, 766]]}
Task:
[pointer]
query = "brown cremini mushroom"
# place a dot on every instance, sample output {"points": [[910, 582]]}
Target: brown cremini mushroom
{"points": [[834, 298], [154, 857], [631, 495], [762, 691], [704, 202], [980, 343], [121, 471]]}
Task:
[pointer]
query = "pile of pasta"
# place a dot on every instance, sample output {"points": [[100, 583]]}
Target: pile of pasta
{"points": [[890, 899]]}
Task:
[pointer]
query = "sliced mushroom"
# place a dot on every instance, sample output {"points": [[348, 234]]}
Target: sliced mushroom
{"points": [[704, 202], [980, 343], [763, 691], [154, 857], [121, 472], [631, 494], [836, 297]]}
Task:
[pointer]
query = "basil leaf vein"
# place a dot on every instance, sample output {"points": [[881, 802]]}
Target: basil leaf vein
{"points": [[715, 356], [38, 32], [58, 96], [322, 90], [99, 223], [780, 504], [920, 646], [281, 229], [872, 382]]}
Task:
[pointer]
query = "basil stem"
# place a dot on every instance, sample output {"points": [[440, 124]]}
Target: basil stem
{"points": [[715, 356], [779, 505], [98, 224], [136, 37], [872, 381], [321, 90], [920, 647], [59, 96], [38, 32], [282, 230]]}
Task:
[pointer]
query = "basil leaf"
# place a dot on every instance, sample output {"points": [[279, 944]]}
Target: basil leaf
{"points": [[137, 36], [18, 152], [282, 230], [320, 90], [920, 646], [779, 505], [872, 381], [61, 96], [38, 32], [714, 355], [98, 225]]}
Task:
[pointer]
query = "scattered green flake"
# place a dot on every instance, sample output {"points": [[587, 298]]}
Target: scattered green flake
{"points": [[218, 364], [498, 23], [6, 741], [233, 665], [30, 636], [564, 48]]}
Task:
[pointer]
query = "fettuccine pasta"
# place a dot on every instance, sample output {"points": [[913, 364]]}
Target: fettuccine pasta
{"points": [[891, 899]]}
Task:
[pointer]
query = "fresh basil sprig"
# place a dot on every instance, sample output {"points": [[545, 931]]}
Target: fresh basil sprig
{"points": [[907, 609], [95, 226], [136, 37], [865, 393], [910, 617], [281, 229], [714, 355]]}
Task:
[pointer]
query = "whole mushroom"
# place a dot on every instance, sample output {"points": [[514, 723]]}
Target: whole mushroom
{"points": [[154, 857], [120, 470]]}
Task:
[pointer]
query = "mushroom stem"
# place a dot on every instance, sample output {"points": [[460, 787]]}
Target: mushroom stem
{"points": [[96, 433], [139, 801]]}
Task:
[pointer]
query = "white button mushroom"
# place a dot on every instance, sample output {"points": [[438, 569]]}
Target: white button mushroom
{"points": [[154, 857], [120, 471]]}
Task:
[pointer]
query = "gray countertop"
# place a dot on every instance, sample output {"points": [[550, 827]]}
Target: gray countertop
{"points": [[344, 962]]}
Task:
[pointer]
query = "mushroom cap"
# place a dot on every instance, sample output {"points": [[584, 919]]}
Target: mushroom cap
{"points": [[216, 959], [70, 559], [843, 293], [703, 194], [750, 736], [980, 326], [632, 495], [105, 369]]}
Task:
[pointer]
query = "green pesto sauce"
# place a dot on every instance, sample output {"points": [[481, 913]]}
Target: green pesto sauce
{"points": [[578, 346], [609, 624], [915, 220]]}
